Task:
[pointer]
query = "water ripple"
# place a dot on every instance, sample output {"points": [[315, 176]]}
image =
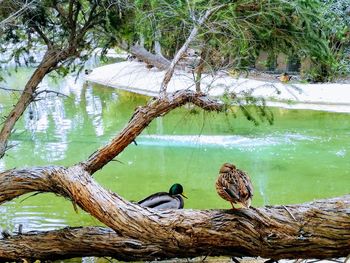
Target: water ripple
{"points": [[227, 141]]}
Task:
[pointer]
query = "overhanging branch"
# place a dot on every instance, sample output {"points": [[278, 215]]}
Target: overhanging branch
{"points": [[141, 119]]}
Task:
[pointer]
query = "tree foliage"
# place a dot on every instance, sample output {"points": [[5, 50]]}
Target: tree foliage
{"points": [[337, 16], [235, 34], [81, 26], [66, 32]]}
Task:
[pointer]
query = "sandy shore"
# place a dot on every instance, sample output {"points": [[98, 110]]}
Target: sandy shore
{"points": [[135, 77]]}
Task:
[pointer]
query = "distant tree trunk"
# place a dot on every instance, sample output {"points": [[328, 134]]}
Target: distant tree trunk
{"points": [[199, 69], [157, 46], [314, 230], [48, 63]]}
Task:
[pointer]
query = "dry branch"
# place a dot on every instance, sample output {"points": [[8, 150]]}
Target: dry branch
{"points": [[180, 53]]}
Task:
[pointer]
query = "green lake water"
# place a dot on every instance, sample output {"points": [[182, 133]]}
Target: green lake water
{"points": [[304, 156]]}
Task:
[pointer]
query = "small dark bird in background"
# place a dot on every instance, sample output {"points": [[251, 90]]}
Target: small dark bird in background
{"points": [[284, 77], [234, 185], [164, 200], [88, 71], [130, 57]]}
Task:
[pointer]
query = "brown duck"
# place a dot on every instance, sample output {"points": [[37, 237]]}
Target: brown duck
{"points": [[234, 185], [284, 77]]}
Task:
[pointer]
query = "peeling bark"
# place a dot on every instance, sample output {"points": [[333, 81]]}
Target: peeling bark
{"points": [[313, 230], [62, 244]]}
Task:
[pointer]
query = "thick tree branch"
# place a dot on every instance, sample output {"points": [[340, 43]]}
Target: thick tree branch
{"points": [[141, 119], [62, 244], [313, 230]]}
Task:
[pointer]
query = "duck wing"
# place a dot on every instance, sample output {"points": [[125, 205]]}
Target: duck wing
{"points": [[227, 187], [246, 187], [162, 200]]}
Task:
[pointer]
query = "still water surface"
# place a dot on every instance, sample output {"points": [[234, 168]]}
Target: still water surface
{"points": [[305, 155]]}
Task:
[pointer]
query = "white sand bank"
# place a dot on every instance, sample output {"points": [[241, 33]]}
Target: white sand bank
{"points": [[135, 77]]}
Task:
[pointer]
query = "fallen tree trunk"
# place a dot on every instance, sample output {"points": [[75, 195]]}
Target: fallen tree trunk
{"points": [[313, 230], [154, 59]]}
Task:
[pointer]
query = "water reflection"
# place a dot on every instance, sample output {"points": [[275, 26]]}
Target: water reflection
{"points": [[94, 110]]}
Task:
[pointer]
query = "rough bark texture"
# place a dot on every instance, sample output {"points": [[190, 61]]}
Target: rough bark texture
{"points": [[314, 230], [62, 244]]}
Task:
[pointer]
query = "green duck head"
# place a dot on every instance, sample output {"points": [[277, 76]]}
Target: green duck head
{"points": [[177, 189]]}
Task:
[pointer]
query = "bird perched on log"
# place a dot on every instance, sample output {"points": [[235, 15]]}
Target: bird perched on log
{"points": [[234, 185], [164, 200]]}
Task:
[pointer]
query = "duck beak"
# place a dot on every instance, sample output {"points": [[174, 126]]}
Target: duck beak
{"points": [[183, 194]]}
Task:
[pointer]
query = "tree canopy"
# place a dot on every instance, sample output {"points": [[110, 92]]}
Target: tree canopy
{"points": [[234, 35]]}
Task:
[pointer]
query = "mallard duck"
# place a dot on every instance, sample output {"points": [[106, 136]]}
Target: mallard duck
{"points": [[234, 185], [164, 200]]}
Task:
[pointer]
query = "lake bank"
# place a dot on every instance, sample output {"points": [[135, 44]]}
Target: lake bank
{"points": [[135, 77]]}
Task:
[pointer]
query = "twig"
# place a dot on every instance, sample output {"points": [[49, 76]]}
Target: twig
{"points": [[289, 212], [7, 89], [51, 91]]}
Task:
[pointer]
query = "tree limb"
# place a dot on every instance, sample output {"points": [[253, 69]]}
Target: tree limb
{"points": [[141, 119], [316, 230], [43, 36], [49, 62], [62, 244]]}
